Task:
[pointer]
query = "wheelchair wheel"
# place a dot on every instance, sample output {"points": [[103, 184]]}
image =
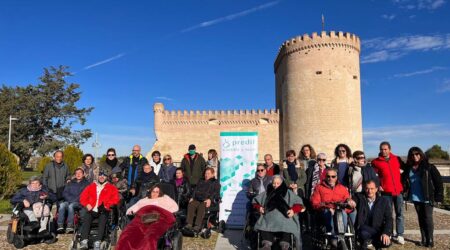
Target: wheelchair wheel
{"points": [[113, 237], [221, 227], [9, 234], [51, 239], [350, 237], [18, 241], [205, 233], [177, 241]]}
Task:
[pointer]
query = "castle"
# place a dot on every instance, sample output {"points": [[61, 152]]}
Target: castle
{"points": [[318, 102]]}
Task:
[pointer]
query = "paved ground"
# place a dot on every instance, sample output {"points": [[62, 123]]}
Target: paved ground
{"points": [[232, 238]]}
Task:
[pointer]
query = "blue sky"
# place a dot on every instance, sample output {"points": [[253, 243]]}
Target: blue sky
{"points": [[127, 55]]}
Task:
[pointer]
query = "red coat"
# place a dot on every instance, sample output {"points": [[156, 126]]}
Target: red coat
{"points": [[389, 173], [109, 196], [324, 193]]}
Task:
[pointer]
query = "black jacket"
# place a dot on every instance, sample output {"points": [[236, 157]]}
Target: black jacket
{"points": [[144, 182], [207, 189], [127, 165], [73, 190], [32, 196], [193, 168], [432, 186], [367, 172], [382, 214], [183, 192]]}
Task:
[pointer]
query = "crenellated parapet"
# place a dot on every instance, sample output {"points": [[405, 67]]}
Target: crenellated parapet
{"points": [[213, 117], [332, 39]]}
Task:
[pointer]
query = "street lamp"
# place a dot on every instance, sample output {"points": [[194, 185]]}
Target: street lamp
{"points": [[10, 124]]}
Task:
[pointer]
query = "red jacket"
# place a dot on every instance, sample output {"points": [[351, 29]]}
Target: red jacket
{"points": [[324, 193], [109, 196], [389, 173]]}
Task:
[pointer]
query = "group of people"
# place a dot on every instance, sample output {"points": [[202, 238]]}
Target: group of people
{"points": [[286, 197], [369, 193], [95, 190]]}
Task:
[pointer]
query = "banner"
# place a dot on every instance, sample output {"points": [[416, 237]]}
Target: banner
{"points": [[239, 156]]}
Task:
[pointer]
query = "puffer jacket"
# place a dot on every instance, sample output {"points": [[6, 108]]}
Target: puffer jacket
{"points": [[389, 174], [109, 196], [194, 168], [32, 196], [207, 189], [324, 193]]}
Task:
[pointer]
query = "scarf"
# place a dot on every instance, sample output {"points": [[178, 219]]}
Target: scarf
{"points": [[315, 177], [357, 179], [178, 182], [261, 188], [100, 187], [34, 189], [275, 199], [292, 171], [111, 163]]}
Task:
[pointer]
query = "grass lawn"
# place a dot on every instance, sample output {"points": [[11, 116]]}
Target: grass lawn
{"points": [[27, 174], [5, 206]]}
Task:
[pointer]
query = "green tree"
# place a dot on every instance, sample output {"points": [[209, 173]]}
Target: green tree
{"points": [[73, 157], [42, 163], [47, 112], [10, 175], [103, 159], [436, 152]]}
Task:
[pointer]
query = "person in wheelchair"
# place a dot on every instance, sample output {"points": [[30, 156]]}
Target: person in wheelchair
{"points": [[36, 200], [71, 195], [143, 183], [325, 197], [278, 207], [374, 220], [120, 183], [153, 216], [205, 195], [97, 200]]}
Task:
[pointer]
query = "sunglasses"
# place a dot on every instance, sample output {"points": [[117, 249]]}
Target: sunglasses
{"points": [[111, 155], [260, 170], [331, 176], [322, 159], [361, 157]]}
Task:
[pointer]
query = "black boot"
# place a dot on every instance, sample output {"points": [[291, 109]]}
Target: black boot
{"points": [[423, 242], [430, 241]]}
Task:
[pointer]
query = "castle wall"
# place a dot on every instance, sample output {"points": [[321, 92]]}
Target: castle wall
{"points": [[175, 130], [318, 92]]}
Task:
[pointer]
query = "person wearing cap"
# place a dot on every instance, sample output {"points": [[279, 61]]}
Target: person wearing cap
{"points": [[71, 195], [193, 165], [97, 200], [120, 183], [132, 165]]}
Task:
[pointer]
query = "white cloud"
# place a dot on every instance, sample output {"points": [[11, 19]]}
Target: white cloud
{"points": [[165, 98], [105, 61], [386, 49], [420, 72], [419, 4], [444, 87], [388, 17], [230, 17]]}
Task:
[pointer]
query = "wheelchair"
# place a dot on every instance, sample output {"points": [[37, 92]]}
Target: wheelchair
{"points": [[19, 235], [275, 245], [321, 239], [110, 236], [211, 221]]}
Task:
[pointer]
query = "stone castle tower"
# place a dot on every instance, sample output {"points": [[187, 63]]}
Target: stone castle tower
{"points": [[318, 92], [318, 102]]}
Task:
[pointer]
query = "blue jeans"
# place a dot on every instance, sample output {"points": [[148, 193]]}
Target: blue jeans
{"points": [[70, 209], [329, 220], [397, 201]]}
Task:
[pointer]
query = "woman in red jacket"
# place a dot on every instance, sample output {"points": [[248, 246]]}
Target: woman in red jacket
{"points": [[97, 199]]}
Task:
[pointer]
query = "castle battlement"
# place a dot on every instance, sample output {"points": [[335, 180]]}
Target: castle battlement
{"points": [[213, 117], [332, 39]]}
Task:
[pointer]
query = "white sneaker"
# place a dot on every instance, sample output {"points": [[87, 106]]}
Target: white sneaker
{"points": [[400, 240]]}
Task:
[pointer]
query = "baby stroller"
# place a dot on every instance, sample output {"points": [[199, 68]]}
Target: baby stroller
{"points": [[20, 232]]}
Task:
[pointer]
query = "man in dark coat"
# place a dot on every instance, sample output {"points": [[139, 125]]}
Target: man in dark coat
{"points": [[193, 165], [374, 219], [132, 165], [56, 174], [205, 195]]}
